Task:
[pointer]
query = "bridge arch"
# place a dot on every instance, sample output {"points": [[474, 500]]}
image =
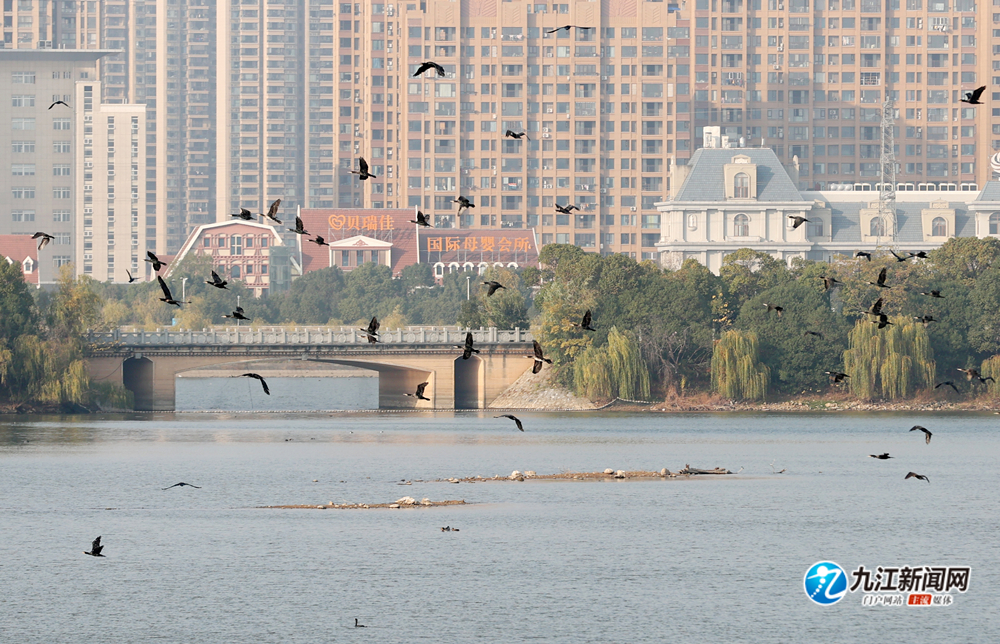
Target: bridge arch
{"points": [[137, 376], [470, 385]]}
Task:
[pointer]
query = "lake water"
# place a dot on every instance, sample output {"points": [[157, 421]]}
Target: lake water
{"points": [[710, 559]]}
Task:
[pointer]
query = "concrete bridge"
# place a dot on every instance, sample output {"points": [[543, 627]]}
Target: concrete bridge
{"points": [[147, 363]]}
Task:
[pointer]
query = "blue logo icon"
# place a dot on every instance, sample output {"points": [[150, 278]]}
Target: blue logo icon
{"points": [[825, 583]]}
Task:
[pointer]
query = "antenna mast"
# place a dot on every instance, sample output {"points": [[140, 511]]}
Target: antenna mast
{"points": [[887, 171]]}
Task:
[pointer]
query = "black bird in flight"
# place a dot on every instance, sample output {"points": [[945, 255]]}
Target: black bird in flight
{"points": [[880, 280], [585, 323], [463, 202], [217, 281], [925, 319], [539, 357], [900, 258], [947, 383], [881, 457], [255, 376], [362, 170], [237, 314], [517, 421], [152, 259], [372, 331], [567, 209], [54, 103], [972, 98], [421, 220], [467, 348], [974, 373], [829, 282], [797, 221], [936, 294], [814, 333], [182, 484], [567, 28], [299, 228], [914, 475], [245, 215], [420, 392], [319, 241], [429, 65], [43, 239], [357, 625], [130, 278], [927, 434], [95, 548], [837, 376], [167, 297], [774, 307], [882, 320], [862, 253], [272, 212], [493, 286], [919, 254], [516, 135], [876, 308]]}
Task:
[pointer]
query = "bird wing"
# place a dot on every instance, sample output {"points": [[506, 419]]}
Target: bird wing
{"points": [[509, 133], [877, 307], [362, 165], [421, 69], [152, 257], [927, 437], [273, 210], [881, 276], [976, 93], [263, 383], [127, 272], [215, 277], [517, 421], [535, 368], [96, 547], [439, 68], [420, 389], [373, 327], [163, 287], [468, 340], [537, 348], [586, 319]]}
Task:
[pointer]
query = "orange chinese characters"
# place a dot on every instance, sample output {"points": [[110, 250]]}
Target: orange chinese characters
{"points": [[505, 244], [385, 223], [521, 243], [370, 222], [337, 222], [486, 244], [354, 221], [469, 243], [434, 243], [451, 243]]}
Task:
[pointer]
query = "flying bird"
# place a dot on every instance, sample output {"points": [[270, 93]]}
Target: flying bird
{"points": [[255, 376], [925, 319], [43, 239], [567, 28], [876, 308], [152, 259], [429, 65], [585, 323], [882, 320], [862, 253], [880, 280], [130, 278], [182, 484], [914, 475], [362, 170], [493, 286], [881, 457], [539, 357], [919, 254], [217, 281], [517, 421], [837, 376], [463, 202], [947, 383], [299, 228], [95, 548], [936, 294], [319, 241], [516, 135], [900, 258], [467, 348], [54, 103], [420, 392], [272, 212], [815, 333], [237, 314], [974, 373], [797, 221], [421, 220], [927, 434], [829, 282], [774, 307], [167, 297], [567, 209], [372, 331], [245, 215], [972, 98]]}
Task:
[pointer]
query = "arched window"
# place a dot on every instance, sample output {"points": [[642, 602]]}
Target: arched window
{"points": [[877, 227], [693, 222], [439, 269], [939, 227], [995, 223], [741, 186], [741, 225]]}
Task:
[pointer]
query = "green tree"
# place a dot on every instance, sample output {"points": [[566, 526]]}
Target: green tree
{"points": [[747, 273], [314, 298], [614, 370], [370, 290], [966, 258], [18, 315], [506, 308], [737, 373], [889, 363]]}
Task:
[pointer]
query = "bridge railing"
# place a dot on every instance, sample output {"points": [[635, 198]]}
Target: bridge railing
{"points": [[279, 336]]}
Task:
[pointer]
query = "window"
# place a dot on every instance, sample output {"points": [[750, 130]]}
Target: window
{"points": [[22, 100], [22, 124], [22, 146], [60, 215], [60, 124], [693, 222], [877, 227], [22, 215], [60, 170], [22, 192], [61, 193], [939, 227], [741, 186], [23, 78], [60, 147], [741, 225], [22, 169], [995, 223]]}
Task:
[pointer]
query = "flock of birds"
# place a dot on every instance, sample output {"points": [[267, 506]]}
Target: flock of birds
{"points": [[910, 475]]}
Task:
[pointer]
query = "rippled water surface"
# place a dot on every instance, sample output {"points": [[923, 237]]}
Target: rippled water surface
{"points": [[712, 559]]}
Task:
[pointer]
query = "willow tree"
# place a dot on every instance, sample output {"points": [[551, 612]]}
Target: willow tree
{"points": [[991, 369], [889, 363], [737, 372], [613, 370]]}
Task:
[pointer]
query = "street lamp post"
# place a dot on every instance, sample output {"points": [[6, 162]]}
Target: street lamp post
{"points": [[237, 306], [184, 282], [468, 287]]}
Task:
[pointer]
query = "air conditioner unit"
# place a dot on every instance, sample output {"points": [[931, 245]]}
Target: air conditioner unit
{"points": [[548, 111], [633, 208], [777, 66], [604, 78], [545, 136], [781, 48], [781, 6], [545, 129], [604, 191]]}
